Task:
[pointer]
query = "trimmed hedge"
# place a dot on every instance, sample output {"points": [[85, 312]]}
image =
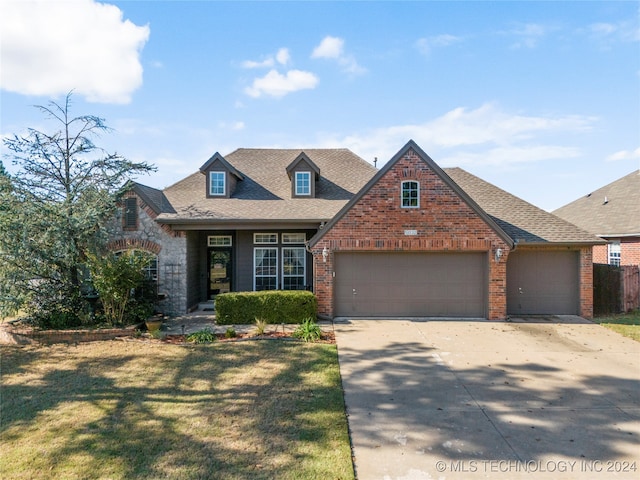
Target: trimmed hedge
{"points": [[272, 306]]}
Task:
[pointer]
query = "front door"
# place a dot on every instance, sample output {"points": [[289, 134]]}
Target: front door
{"points": [[220, 273]]}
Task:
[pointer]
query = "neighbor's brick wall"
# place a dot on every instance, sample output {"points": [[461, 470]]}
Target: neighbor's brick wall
{"points": [[629, 252], [170, 247], [443, 223], [586, 282]]}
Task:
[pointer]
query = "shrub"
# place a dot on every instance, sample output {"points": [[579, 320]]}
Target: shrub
{"points": [[230, 333], [120, 281], [62, 307], [261, 326], [203, 336], [273, 306], [308, 330]]}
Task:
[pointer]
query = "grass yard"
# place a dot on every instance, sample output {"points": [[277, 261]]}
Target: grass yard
{"points": [[627, 324], [121, 410]]}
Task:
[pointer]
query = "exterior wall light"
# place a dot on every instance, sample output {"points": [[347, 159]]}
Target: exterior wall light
{"points": [[325, 254], [498, 255]]}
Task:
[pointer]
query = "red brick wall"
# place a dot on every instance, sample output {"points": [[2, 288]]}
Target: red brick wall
{"points": [[629, 252], [444, 222]]}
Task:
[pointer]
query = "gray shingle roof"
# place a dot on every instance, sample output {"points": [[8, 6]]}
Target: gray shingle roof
{"points": [[610, 211], [153, 197], [522, 221], [265, 192]]}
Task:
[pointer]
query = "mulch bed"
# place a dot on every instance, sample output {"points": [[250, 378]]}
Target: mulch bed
{"points": [[327, 337]]}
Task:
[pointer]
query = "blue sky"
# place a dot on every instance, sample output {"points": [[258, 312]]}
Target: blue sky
{"points": [[540, 98]]}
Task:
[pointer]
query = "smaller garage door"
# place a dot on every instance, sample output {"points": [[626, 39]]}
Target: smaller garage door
{"points": [[410, 284], [543, 283]]}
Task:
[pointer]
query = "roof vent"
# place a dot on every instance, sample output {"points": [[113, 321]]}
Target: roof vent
{"points": [[606, 200]]}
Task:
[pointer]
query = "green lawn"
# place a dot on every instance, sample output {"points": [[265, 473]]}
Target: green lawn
{"points": [[627, 324], [121, 410]]}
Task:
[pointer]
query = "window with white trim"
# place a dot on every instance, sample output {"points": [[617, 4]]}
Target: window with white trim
{"points": [[151, 270], [614, 253], [410, 194], [217, 181], [298, 237], [303, 183], [219, 240], [265, 268], [262, 238], [293, 268]]}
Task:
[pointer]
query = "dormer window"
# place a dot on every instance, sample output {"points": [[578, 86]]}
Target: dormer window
{"points": [[222, 177], [303, 183], [304, 174], [217, 184]]}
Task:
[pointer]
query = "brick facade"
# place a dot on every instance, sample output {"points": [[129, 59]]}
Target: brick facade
{"points": [[443, 223], [629, 252]]}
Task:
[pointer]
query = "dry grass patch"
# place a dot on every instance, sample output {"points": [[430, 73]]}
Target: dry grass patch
{"points": [[627, 324], [116, 410]]}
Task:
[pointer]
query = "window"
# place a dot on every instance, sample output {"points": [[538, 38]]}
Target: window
{"points": [[217, 183], [151, 270], [614, 253], [265, 268], [293, 268], [298, 237], [130, 214], [261, 238], [410, 194], [219, 240], [303, 183]]}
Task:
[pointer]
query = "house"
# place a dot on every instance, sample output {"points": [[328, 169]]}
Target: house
{"points": [[613, 214], [410, 239]]}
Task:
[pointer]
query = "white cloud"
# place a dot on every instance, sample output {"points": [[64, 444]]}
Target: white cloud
{"points": [[275, 84], [528, 35], [281, 57], [609, 33], [426, 45], [333, 48], [51, 47], [624, 155], [483, 136], [330, 47]]}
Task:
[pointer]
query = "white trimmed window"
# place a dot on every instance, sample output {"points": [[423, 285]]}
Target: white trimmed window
{"points": [[303, 183], [265, 268], [219, 240], [614, 253], [264, 238], [410, 194], [293, 268], [298, 237], [217, 182]]}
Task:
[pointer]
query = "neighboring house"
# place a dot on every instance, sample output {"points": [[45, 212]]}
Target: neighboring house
{"points": [[613, 214], [410, 239]]}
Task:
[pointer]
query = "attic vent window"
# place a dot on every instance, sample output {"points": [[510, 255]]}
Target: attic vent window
{"points": [[130, 214], [303, 183]]}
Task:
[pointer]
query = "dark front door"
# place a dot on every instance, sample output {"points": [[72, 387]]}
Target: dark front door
{"points": [[220, 273]]}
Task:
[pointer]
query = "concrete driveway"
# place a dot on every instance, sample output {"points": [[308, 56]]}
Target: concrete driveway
{"points": [[537, 398]]}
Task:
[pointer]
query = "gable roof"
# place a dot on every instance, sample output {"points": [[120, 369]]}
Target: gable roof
{"points": [[411, 145], [610, 211], [523, 222], [153, 197], [216, 157], [303, 158], [265, 193]]}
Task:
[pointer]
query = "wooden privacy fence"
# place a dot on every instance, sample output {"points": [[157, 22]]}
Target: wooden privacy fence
{"points": [[615, 289]]}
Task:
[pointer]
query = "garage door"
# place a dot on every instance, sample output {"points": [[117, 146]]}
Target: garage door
{"points": [[410, 284], [543, 283]]}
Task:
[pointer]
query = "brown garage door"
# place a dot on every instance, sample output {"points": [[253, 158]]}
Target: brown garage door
{"points": [[411, 284], [543, 283]]}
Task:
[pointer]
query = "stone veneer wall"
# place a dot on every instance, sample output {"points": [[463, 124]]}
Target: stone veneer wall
{"points": [[168, 245]]}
